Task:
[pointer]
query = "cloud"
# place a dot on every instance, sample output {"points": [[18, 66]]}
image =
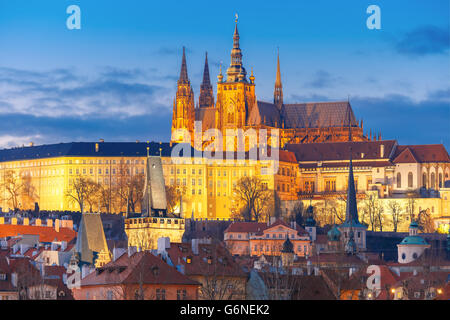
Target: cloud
{"points": [[424, 40], [113, 92], [322, 79], [410, 122], [19, 129]]}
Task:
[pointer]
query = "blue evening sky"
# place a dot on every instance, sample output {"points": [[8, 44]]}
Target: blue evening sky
{"points": [[115, 78]]}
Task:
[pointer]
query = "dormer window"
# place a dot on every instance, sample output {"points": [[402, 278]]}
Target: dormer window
{"points": [[188, 260]]}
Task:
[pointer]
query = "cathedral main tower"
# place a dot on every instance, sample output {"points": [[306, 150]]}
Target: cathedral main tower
{"points": [[183, 107], [235, 96]]}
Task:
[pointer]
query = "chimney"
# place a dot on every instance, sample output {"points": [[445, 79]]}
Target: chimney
{"points": [[15, 248], [14, 220], [26, 221], [272, 220], [54, 246], [163, 245], [309, 267], [23, 248], [195, 246], [63, 245], [49, 223], [57, 225], [37, 222], [415, 272], [131, 251], [69, 224], [14, 279], [117, 253], [381, 150], [64, 278]]}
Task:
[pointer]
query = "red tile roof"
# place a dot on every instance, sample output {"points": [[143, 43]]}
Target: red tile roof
{"points": [[222, 263], [129, 270], [421, 154], [46, 234], [238, 226]]}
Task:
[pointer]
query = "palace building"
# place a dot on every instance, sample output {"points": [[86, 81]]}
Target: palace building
{"points": [[237, 107], [50, 171]]}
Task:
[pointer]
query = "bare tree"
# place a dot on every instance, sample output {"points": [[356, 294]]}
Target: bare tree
{"points": [[12, 185], [396, 212], [28, 193], [411, 205], [255, 197], [425, 221], [373, 209], [173, 196], [80, 190]]}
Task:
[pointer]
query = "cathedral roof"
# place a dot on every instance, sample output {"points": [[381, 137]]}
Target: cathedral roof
{"points": [[207, 116], [264, 113], [303, 115], [318, 114]]}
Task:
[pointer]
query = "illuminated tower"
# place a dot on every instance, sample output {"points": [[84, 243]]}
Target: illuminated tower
{"points": [[236, 95], [206, 98], [183, 107], [278, 92]]}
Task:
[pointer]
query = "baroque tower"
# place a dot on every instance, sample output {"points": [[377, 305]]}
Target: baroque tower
{"points": [[183, 107], [206, 98]]}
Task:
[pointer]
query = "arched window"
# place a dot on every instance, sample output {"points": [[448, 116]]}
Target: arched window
{"points": [[230, 117], [399, 180], [424, 180], [433, 180], [440, 180], [410, 180]]}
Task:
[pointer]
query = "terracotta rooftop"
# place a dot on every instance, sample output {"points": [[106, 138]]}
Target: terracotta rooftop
{"points": [[212, 259], [128, 270], [46, 234], [421, 154]]}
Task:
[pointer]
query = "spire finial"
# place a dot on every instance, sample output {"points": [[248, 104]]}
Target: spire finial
{"points": [[236, 20], [183, 72], [278, 92]]}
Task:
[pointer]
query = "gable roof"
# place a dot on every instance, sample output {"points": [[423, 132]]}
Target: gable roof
{"points": [[222, 262], [141, 266], [421, 153]]}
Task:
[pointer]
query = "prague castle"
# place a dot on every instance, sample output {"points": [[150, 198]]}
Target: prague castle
{"points": [[237, 107], [314, 140]]}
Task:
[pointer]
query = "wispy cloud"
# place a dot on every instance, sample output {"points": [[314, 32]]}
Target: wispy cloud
{"points": [[323, 79], [424, 40], [111, 93]]}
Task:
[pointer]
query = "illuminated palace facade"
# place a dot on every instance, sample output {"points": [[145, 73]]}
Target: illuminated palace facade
{"points": [[208, 184], [237, 107]]}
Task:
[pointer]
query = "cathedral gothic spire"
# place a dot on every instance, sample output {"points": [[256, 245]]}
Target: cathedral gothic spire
{"points": [[206, 98], [183, 107], [278, 92]]}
